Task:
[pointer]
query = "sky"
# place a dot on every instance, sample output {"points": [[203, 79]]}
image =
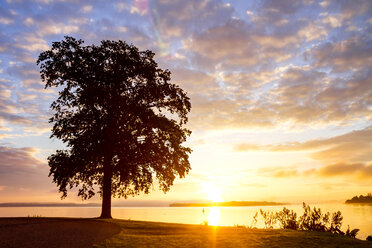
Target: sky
{"points": [[281, 93]]}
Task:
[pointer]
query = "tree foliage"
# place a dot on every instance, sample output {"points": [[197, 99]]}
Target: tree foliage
{"points": [[119, 116]]}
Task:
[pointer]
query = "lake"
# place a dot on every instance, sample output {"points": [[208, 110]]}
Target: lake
{"points": [[357, 216]]}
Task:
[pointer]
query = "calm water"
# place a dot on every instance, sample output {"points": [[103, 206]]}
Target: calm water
{"points": [[357, 216]]}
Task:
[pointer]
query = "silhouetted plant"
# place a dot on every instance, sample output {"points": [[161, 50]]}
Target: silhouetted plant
{"points": [[336, 223], [351, 233], [269, 218], [287, 219], [254, 221], [311, 220]]}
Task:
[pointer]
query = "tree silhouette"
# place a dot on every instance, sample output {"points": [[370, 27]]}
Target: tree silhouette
{"points": [[120, 118]]}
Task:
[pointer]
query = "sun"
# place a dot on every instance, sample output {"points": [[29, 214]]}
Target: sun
{"points": [[212, 192]]}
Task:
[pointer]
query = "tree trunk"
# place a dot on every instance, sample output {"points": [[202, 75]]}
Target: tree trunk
{"points": [[106, 189]]}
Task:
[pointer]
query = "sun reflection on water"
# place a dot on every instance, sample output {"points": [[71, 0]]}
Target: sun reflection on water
{"points": [[214, 216]]}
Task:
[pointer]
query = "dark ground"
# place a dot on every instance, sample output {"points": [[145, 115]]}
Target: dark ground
{"points": [[74, 232], [54, 232]]}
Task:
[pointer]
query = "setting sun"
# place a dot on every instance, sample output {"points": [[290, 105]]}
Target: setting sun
{"points": [[212, 192]]}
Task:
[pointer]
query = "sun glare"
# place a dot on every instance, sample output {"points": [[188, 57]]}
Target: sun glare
{"points": [[213, 193], [214, 216]]}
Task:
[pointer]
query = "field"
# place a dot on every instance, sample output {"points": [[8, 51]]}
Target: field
{"points": [[68, 232]]}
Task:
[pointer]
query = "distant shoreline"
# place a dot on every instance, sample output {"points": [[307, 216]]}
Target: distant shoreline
{"points": [[41, 204], [142, 204], [360, 199], [361, 203], [228, 204], [71, 204]]}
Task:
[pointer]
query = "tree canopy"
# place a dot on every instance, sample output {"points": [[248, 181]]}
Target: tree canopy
{"points": [[121, 119]]}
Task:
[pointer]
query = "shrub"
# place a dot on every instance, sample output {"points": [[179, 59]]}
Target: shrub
{"points": [[269, 219], [311, 220], [287, 219], [351, 233]]}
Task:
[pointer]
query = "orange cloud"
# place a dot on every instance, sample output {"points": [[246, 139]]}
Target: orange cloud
{"points": [[359, 171], [279, 172], [344, 155], [356, 171]]}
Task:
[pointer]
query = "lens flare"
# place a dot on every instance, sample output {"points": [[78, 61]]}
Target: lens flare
{"points": [[149, 9]]}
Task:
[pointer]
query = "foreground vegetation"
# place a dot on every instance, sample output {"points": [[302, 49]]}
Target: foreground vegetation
{"points": [[152, 234], [100, 233], [310, 220]]}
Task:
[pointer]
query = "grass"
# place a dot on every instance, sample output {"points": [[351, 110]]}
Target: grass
{"points": [[152, 234], [54, 232], [73, 232]]}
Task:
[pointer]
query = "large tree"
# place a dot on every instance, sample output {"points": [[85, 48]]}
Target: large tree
{"points": [[121, 119]]}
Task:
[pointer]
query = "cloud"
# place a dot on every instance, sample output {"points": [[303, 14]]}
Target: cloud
{"points": [[243, 147], [351, 54], [10, 110], [20, 169], [58, 28], [324, 4], [278, 172], [239, 45], [272, 12], [293, 98], [346, 171], [87, 8], [234, 59], [5, 20], [312, 32], [31, 42], [195, 82], [229, 44], [341, 169], [302, 96], [305, 96], [285, 173], [299, 95], [348, 151], [16, 160], [345, 152], [29, 21], [333, 21], [353, 9], [180, 18], [23, 108]]}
